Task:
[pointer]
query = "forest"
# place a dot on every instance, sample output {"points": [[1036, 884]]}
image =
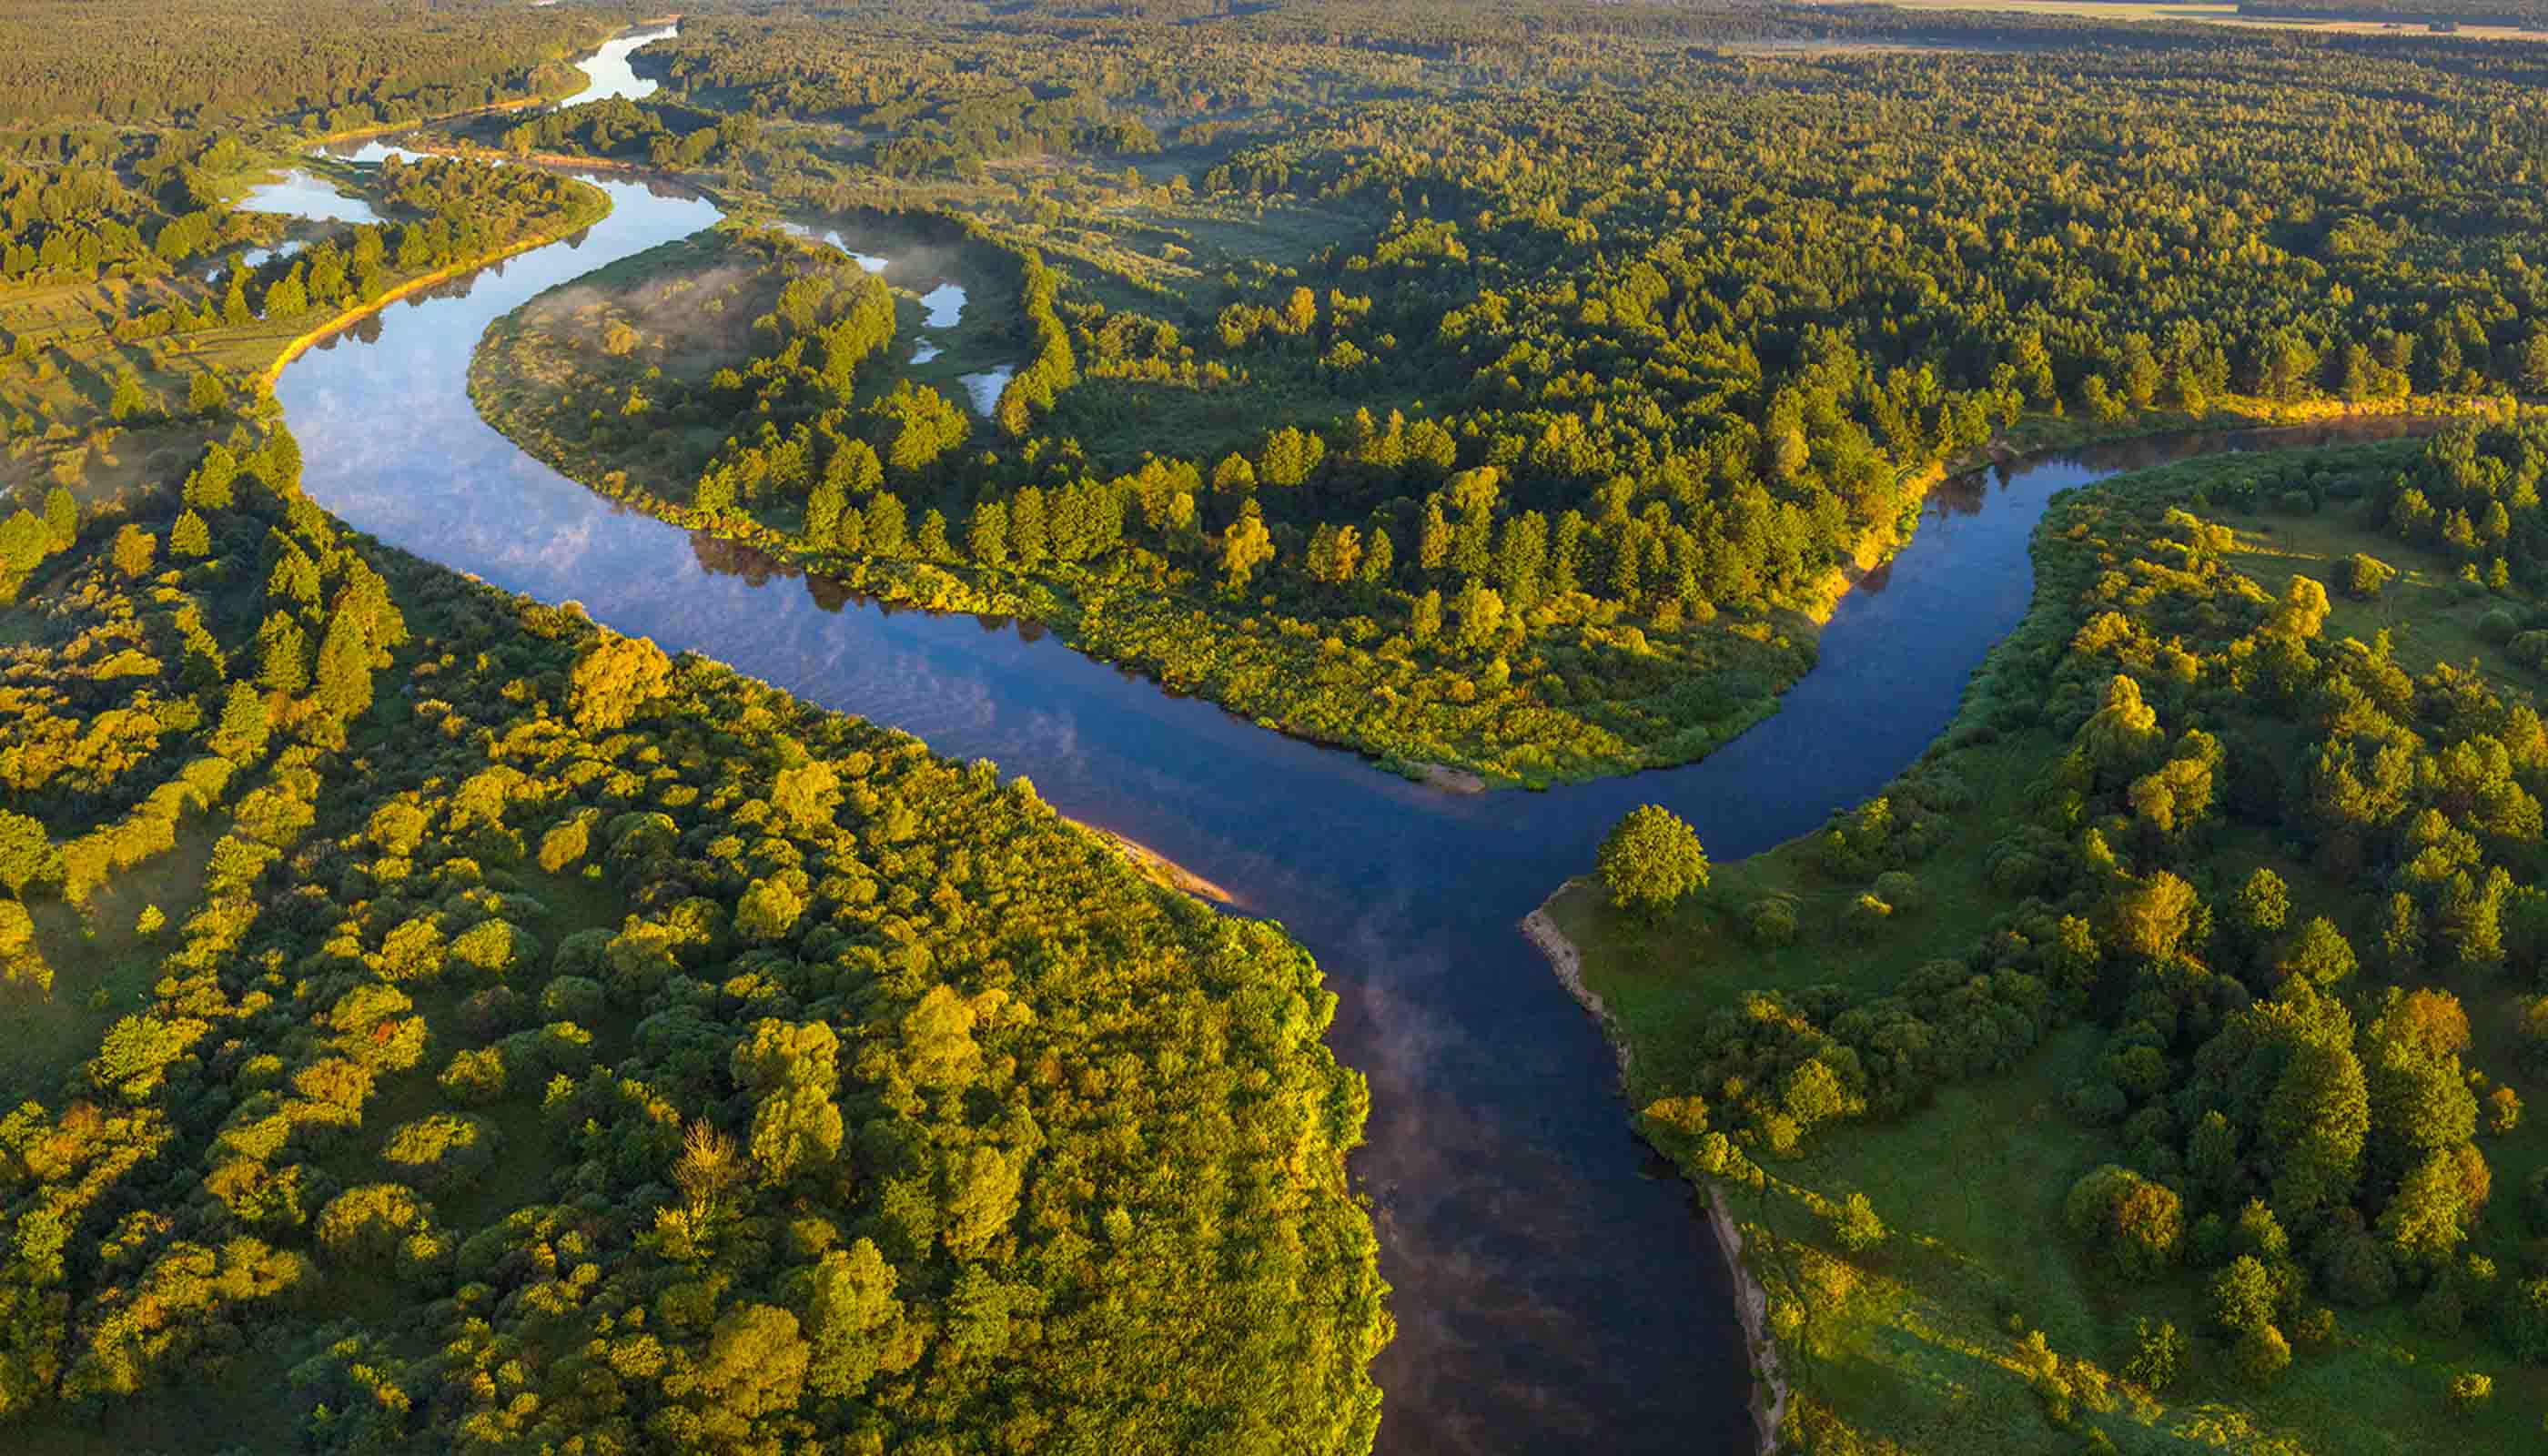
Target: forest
{"points": [[1570, 406], [2239, 889], [444, 1024]]}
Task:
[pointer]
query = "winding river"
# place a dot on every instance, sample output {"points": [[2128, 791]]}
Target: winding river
{"points": [[1552, 1283]]}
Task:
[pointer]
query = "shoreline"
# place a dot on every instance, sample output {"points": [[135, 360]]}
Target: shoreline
{"points": [[1156, 868], [303, 344], [1770, 1390]]}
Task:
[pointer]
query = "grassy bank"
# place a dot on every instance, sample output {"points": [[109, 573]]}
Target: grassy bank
{"points": [[1978, 1322]]}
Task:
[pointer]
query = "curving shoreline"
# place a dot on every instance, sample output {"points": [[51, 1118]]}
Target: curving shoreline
{"points": [[1770, 1394], [303, 344]]}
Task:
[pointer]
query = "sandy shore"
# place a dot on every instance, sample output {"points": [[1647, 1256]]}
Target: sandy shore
{"points": [[1450, 779], [1751, 1299], [1158, 866]]}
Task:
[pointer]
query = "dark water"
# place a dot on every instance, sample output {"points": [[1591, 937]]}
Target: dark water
{"points": [[1550, 1291]]}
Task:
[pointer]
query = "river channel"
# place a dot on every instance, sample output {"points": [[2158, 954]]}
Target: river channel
{"points": [[1553, 1285]]}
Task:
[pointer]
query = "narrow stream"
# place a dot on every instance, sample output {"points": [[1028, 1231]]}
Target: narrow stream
{"points": [[1552, 1286]]}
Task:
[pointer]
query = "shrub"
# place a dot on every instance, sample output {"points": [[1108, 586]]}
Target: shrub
{"points": [[1854, 1225], [1864, 917], [2134, 1227], [2497, 626], [2261, 1354], [1771, 922], [2470, 1392], [2159, 1355], [2366, 576], [1899, 889]]}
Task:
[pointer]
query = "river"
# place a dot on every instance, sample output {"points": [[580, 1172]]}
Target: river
{"points": [[1553, 1285]]}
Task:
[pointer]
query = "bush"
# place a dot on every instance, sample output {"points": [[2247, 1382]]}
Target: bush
{"points": [[1854, 1225], [1899, 889], [2261, 1354], [2530, 649], [1864, 917], [2134, 1227], [1771, 922], [2497, 626], [2470, 1392], [2159, 1355], [2366, 576]]}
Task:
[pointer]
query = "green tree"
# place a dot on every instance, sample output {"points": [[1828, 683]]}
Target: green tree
{"points": [[613, 679], [1650, 860]]}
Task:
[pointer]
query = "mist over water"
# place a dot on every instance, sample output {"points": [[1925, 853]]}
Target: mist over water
{"points": [[1552, 1284]]}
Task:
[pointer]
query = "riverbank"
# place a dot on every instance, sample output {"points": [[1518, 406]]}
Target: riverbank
{"points": [[1159, 869], [1963, 1304], [596, 208], [1750, 1297]]}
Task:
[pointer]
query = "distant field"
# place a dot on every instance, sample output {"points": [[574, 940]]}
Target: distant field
{"points": [[2137, 10]]}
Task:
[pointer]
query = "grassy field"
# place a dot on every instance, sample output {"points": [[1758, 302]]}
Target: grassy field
{"points": [[1928, 1340], [2147, 11]]}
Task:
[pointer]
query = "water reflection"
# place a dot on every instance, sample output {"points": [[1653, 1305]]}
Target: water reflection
{"points": [[1548, 1291], [609, 71], [301, 195]]}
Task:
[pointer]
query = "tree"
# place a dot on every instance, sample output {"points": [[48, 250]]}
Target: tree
{"points": [[2149, 917], [189, 537], [2303, 608], [2123, 735], [768, 909], [2315, 1120], [26, 853], [1650, 860], [2159, 1354], [2134, 1227], [135, 551], [1244, 546], [806, 796], [613, 679], [853, 1322], [792, 1068], [130, 397], [61, 520], [1855, 1225], [986, 538]]}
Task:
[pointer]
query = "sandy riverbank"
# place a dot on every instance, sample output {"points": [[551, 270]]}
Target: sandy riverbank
{"points": [[1159, 867], [1751, 1299]]}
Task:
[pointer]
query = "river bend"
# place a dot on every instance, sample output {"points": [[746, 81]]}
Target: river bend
{"points": [[1552, 1283]]}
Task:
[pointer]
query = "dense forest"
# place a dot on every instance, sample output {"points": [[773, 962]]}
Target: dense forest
{"points": [[642, 1056], [2245, 889], [445, 1024], [1571, 403]]}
